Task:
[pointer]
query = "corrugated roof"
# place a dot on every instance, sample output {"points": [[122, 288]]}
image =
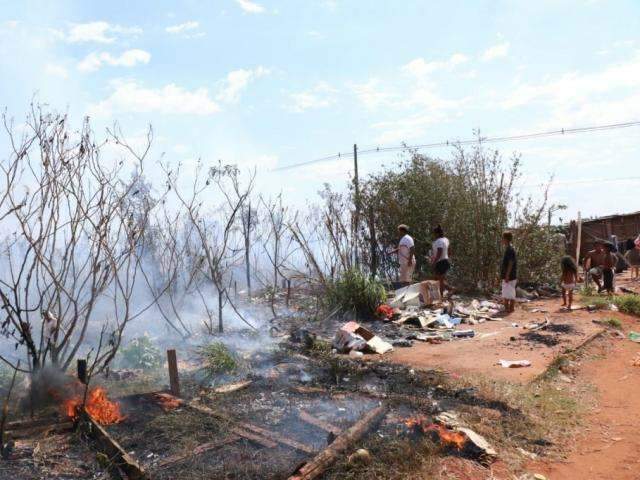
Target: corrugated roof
{"points": [[609, 217]]}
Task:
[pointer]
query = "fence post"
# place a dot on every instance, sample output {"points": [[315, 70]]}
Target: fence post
{"points": [[174, 380]]}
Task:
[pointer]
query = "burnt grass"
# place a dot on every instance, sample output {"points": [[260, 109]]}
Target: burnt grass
{"points": [[551, 336], [334, 388], [337, 389]]}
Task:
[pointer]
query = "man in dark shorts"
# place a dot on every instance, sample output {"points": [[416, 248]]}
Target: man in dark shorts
{"points": [[596, 262], [608, 270]]}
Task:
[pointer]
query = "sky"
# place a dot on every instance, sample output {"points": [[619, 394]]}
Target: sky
{"points": [[269, 83]]}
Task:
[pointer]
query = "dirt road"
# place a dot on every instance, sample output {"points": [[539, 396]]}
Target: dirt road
{"points": [[495, 340], [608, 448]]}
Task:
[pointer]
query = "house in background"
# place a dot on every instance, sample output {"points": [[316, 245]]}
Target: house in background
{"points": [[623, 226]]}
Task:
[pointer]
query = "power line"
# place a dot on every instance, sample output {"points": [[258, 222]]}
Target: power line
{"points": [[527, 136]]}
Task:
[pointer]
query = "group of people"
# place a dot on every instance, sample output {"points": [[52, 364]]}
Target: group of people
{"points": [[599, 265], [440, 263]]}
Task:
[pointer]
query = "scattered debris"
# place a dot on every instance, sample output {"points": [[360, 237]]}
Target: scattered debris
{"points": [[634, 337], [533, 326], [463, 334], [514, 363], [232, 387], [360, 456], [351, 336]]}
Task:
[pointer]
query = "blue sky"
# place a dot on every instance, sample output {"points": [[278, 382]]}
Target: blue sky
{"points": [[267, 83]]}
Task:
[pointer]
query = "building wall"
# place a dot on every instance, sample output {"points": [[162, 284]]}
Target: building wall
{"points": [[623, 226]]}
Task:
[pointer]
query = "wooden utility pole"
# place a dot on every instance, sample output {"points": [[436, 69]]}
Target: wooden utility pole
{"points": [[356, 190]]}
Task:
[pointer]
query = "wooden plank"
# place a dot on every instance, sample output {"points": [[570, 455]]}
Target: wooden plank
{"points": [[317, 422], [242, 428], [265, 442], [278, 438], [174, 379], [40, 430], [235, 429], [232, 387], [199, 450], [121, 459], [326, 457]]}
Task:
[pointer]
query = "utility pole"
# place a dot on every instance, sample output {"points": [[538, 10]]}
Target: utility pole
{"points": [[356, 189]]}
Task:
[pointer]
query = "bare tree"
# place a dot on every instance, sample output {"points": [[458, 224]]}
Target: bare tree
{"points": [[75, 242], [218, 240]]}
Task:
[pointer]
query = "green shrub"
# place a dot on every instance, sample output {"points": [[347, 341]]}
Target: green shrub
{"points": [[613, 322], [140, 353], [356, 292], [628, 304], [472, 196], [600, 303], [217, 359]]}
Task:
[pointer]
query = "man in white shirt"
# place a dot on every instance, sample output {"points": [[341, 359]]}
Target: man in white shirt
{"points": [[406, 254]]}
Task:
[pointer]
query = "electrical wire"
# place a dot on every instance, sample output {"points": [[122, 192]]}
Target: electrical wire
{"points": [[481, 140]]}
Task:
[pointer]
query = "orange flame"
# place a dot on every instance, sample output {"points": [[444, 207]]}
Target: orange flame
{"points": [[167, 402], [98, 405], [447, 437]]}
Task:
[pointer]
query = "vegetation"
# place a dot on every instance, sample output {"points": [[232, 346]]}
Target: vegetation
{"points": [[613, 322], [217, 359], [356, 292], [628, 303], [472, 197], [140, 353]]}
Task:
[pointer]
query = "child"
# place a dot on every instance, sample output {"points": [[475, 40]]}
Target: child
{"points": [[509, 273], [568, 280]]}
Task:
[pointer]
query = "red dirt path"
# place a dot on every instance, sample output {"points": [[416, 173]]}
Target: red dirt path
{"points": [[608, 448]]}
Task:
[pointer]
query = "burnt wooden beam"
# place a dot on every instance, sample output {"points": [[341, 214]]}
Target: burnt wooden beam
{"points": [[58, 427], [317, 422], [121, 459], [254, 437], [199, 450], [278, 438], [254, 430], [317, 465]]}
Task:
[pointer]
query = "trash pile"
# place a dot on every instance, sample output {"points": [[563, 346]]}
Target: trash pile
{"points": [[354, 338], [420, 305], [430, 319]]}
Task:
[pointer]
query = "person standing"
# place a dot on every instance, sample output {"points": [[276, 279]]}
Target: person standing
{"points": [[440, 258], [406, 254], [568, 280], [632, 257], [608, 269], [509, 273]]}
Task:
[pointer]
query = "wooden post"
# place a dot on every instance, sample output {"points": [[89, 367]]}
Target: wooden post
{"points": [[579, 239], [235, 289], [82, 370], [356, 193], [220, 305], [174, 380], [288, 291]]}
